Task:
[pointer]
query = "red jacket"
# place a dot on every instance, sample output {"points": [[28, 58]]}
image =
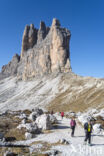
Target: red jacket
{"points": [[62, 113]]}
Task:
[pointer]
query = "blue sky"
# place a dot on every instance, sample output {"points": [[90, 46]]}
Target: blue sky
{"points": [[84, 18]]}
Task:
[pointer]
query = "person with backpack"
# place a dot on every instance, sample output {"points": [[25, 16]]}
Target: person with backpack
{"points": [[73, 125], [62, 114], [88, 130]]}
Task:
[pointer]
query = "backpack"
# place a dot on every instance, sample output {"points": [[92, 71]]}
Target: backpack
{"points": [[89, 128], [86, 126]]}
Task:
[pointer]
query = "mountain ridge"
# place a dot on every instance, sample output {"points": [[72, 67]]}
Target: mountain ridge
{"points": [[60, 92], [44, 51]]}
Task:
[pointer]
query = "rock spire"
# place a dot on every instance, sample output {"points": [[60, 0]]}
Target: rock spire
{"points": [[45, 50]]}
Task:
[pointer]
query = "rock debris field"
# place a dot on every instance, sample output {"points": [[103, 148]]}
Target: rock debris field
{"points": [[38, 133]]}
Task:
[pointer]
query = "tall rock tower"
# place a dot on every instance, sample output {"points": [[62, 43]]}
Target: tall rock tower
{"points": [[45, 50]]}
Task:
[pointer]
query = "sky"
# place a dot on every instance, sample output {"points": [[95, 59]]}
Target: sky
{"points": [[84, 18]]}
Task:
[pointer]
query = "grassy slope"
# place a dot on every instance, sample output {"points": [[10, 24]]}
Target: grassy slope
{"points": [[63, 92], [85, 93]]}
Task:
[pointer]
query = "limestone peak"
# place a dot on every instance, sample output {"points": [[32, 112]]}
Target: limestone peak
{"points": [[45, 50]]}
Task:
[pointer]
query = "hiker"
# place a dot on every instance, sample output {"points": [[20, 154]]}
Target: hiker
{"points": [[62, 114], [73, 125], [52, 112], [88, 131]]}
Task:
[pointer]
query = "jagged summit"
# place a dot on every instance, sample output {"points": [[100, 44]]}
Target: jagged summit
{"points": [[56, 22], [44, 50]]}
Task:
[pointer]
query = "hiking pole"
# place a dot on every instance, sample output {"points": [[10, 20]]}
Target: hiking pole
{"points": [[92, 138]]}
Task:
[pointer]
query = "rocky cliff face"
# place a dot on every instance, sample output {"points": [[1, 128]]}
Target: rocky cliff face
{"points": [[11, 67], [44, 51]]}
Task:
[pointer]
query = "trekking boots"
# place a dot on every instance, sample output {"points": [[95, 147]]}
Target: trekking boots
{"points": [[85, 143], [89, 144]]}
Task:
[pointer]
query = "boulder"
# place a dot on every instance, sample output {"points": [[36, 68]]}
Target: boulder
{"points": [[30, 127], [52, 152], [35, 114], [29, 136], [34, 129], [97, 128], [23, 121], [53, 119], [22, 116], [44, 122], [64, 141]]}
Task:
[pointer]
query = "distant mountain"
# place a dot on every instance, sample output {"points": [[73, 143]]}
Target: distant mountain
{"points": [[44, 51], [42, 75]]}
